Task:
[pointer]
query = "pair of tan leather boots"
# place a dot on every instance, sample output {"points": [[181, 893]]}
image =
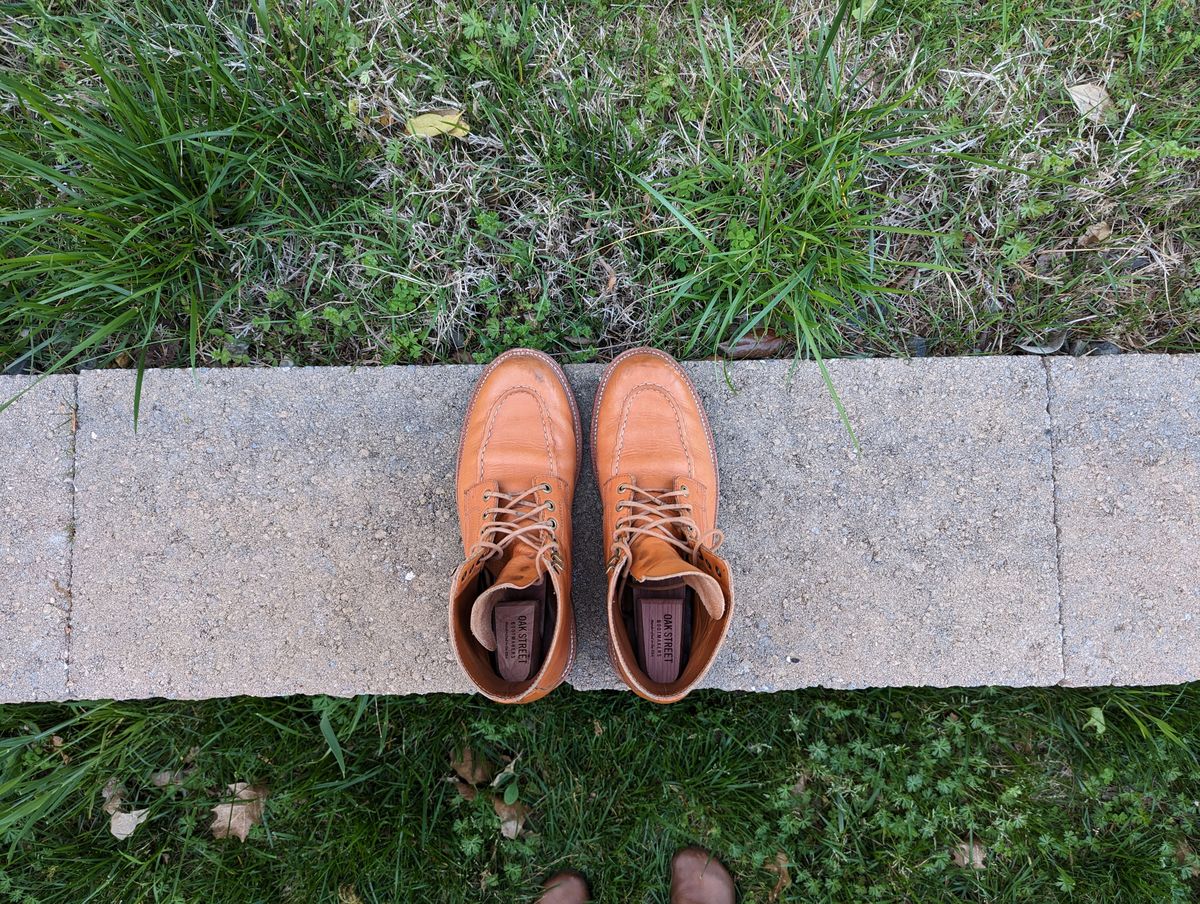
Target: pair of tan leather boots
{"points": [[669, 599]]}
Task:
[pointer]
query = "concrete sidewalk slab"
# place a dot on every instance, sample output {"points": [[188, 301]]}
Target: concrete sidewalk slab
{"points": [[35, 537], [266, 532], [1127, 450], [925, 558], [281, 531]]}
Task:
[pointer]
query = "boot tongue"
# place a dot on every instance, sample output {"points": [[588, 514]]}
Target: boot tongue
{"points": [[658, 560], [515, 581]]}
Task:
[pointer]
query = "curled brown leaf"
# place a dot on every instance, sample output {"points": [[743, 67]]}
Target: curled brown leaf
{"points": [[472, 767], [755, 344], [237, 817], [1096, 234], [779, 868], [512, 817]]}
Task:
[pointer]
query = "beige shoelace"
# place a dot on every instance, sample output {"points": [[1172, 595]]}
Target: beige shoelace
{"points": [[519, 517], [660, 515]]}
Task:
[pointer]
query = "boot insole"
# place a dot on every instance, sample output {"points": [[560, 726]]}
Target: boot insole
{"points": [[518, 627], [661, 628]]}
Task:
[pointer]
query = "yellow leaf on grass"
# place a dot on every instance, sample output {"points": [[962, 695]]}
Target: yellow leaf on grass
{"points": [[862, 12], [440, 122], [1091, 100]]}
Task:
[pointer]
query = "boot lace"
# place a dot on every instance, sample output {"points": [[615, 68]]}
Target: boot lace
{"points": [[663, 515], [519, 517]]}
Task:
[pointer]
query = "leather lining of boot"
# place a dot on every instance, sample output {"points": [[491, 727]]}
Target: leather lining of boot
{"points": [[523, 620], [659, 617]]}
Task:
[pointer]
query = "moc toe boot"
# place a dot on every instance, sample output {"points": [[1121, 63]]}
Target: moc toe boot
{"points": [[669, 597], [512, 626], [696, 878]]}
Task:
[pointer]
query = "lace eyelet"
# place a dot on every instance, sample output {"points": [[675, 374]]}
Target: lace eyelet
{"points": [[620, 506], [487, 494], [546, 488], [623, 488], [549, 505], [683, 488], [553, 523]]}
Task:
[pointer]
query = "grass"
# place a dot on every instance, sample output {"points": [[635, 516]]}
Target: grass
{"points": [[1069, 796], [186, 182], [222, 184]]}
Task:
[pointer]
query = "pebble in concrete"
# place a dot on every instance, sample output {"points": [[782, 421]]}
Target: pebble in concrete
{"points": [[35, 537], [1127, 444], [280, 531]]}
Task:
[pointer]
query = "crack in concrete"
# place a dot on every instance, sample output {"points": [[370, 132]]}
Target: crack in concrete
{"points": [[1052, 433], [71, 534]]}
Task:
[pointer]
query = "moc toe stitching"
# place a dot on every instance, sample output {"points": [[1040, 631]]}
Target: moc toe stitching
{"points": [[494, 413], [627, 413]]}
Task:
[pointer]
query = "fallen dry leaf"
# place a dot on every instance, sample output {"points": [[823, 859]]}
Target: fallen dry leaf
{"points": [[57, 743], [440, 122], [472, 767], [969, 855], [165, 777], [611, 284], [122, 825], [1091, 100], [1184, 855], [466, 791], [779, 868], [240, 815], [1048, 345], [755, 344], [512, 817], [113, 793], [507, 774], [1096, 233]]}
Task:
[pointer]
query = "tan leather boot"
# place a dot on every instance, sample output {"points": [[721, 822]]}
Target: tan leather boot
{"points": [[696, 878], [567, 887], [511, 621], [669, 594]]}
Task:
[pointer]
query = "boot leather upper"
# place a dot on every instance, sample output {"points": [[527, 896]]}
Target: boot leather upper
{"points": [[649, 432], [696, 878], [520, 436]]}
